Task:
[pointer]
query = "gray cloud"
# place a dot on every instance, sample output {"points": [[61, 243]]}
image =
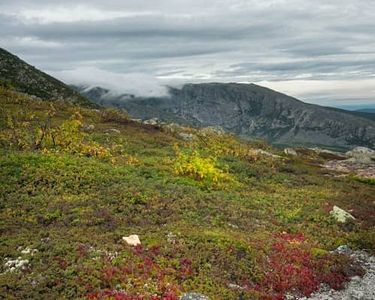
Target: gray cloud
{"points": [[296, 46]]}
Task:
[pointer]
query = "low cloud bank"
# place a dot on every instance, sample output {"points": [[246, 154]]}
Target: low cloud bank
{"points": [[138, 84]]}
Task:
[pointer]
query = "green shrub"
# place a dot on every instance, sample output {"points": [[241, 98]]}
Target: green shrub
{"points": [[366, 180], [109, 115], [24, 130]]}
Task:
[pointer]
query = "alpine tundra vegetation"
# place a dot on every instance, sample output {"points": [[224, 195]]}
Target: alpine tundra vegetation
{"points": [[97, 206], [187, 150]]}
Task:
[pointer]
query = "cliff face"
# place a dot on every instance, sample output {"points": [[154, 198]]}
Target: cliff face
{"points": [[252, 111], [27, 79]]}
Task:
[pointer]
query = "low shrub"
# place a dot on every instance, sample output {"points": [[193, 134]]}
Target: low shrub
{"points": [[69, 138], [114, 115], [26, 131], [294, 267], [203, 169], [140, 273]]}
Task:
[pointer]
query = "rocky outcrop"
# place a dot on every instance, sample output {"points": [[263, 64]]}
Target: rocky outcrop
{"points": [[360, 161], [359, 288], [361, 155]]}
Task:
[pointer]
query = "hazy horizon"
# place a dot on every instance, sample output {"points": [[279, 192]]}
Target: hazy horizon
{"points": [[317, 51]]}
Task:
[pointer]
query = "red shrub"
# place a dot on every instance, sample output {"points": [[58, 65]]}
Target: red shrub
{"points": [[152, 276], [290, 267]]}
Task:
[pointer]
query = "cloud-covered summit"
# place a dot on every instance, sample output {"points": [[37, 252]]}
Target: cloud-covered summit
{"points": [[322, 51]]}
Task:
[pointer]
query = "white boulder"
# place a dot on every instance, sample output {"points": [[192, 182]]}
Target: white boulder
{"points": [[153, 121], [290, 151], [132, 240]]}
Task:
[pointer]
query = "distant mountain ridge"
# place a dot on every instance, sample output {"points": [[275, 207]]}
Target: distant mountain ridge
{"points": [[101, 95], [250, 111], [367, 110], [27, 79], [247, 110]]}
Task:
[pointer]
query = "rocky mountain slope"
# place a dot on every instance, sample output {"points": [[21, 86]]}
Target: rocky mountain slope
{"points": [[25, 78], [250, 111]]}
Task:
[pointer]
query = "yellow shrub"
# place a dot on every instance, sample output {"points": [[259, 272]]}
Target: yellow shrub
{"points": [[25, 131], [93, 149], [17, 130], [69, 138], [132, 160], [200, 168]]}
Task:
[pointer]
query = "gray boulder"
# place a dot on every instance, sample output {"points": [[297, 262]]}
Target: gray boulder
{"points": [[188, 137], [341, 215]]}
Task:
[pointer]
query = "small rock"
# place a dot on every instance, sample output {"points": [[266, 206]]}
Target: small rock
{"points": [[28, 250], [233, 225], [171, 238], [34, 283], [132, 240], [329, 154], [235, 286], [153, 121], [289, 297], [87, 128], [186, 136], [174, 127], [341, 215], [344, 249], [113, 130], [212, 130], [194, 296], [290, 151], [266, 153], [356, 279], [357, 295]]}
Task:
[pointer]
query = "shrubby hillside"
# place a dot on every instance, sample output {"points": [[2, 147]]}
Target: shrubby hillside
{"points": [[214, 214], [25, 78]]}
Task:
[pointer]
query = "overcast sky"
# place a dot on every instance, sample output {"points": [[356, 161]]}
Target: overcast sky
{"points": [[320, 51]]}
